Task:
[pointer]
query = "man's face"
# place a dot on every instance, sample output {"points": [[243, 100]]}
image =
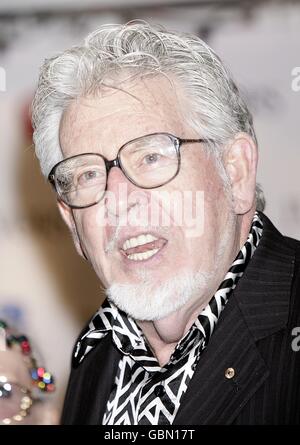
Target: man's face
{"points": [[185, 259]]}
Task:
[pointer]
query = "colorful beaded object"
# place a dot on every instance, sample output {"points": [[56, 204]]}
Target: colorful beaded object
{"points": [[41, 379]]}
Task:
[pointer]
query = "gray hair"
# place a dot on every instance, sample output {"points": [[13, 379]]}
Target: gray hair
{"points": [[217, 110]]}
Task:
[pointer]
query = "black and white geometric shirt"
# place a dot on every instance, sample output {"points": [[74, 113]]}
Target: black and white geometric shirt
{"points": [[144, 392]]}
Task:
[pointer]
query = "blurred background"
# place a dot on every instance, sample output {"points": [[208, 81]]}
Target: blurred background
{"points": [[46, 290]]}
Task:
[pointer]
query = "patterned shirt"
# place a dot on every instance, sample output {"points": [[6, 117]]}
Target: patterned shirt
{"points": [[144, 392]]}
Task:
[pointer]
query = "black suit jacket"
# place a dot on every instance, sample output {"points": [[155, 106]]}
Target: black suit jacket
{"points": [[254, 336]]}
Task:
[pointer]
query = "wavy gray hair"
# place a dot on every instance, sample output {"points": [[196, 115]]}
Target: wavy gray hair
{"points": [[217, 110]]}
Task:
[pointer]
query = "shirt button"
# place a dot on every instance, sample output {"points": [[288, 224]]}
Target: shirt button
{"points": [[229, 373], [159, 391]]}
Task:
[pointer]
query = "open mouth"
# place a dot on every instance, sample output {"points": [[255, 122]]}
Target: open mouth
{"points": [[142, 247]]}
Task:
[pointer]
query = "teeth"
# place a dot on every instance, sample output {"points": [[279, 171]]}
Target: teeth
{"points": [[143, 255], [138, 241]]}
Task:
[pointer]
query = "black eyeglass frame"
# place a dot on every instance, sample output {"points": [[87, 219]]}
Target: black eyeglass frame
{"points": [[109, 164]]}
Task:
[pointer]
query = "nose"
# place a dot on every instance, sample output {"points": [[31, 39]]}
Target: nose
{"points": [[121, 194]]}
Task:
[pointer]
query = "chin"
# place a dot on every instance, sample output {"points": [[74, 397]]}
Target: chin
{"points": [[146, 301], [139, 309]]}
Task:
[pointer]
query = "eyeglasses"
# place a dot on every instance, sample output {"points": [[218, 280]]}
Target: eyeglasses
{"points": [[148, 162], [15, 402]]}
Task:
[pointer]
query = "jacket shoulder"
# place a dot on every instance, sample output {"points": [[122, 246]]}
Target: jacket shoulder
{"points": [[294, 244]]}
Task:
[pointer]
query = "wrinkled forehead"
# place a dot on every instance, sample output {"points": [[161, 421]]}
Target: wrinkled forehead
{"points": [[122, 112]]}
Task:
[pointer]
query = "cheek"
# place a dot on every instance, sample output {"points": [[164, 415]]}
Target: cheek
{"points": [[201, 193], [90, 227], [210, 207], [197, 172]]}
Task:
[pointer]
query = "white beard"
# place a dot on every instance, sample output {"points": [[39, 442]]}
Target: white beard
{"points": [[149, 301]]}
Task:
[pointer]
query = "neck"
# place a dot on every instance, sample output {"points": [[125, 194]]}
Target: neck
{"points": [[164, 334]]}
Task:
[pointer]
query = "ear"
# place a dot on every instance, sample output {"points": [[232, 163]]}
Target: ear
{"points": [[68, 217], [240, 161]]}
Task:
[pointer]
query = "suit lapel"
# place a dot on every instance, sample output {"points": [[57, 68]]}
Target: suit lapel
{"points": [[212, 398], [258, 307]]}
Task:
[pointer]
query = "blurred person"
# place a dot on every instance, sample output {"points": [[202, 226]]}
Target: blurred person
{"points": [[23, 383], [197, 325]]}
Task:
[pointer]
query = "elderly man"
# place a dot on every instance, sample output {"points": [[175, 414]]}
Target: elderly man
{"points": [[134, 129]]}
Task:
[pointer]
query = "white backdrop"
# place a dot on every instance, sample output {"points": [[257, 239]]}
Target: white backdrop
{"points": [[45, 288]]}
